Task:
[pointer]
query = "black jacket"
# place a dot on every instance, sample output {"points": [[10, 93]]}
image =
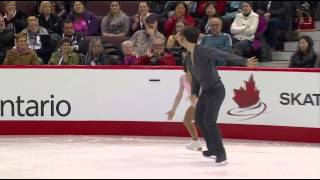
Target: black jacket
{"points": [[6, 40], [102, 59], [203, 23], [6, 43], [303, 61], [53, 25], [78, 43], [18, 23], [281, 9], [204, 71]]}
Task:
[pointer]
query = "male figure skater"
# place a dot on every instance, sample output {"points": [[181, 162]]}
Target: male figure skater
{"points": [[201, 62]]}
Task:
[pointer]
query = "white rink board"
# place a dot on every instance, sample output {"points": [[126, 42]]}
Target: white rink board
{"points": [[128, 95]]}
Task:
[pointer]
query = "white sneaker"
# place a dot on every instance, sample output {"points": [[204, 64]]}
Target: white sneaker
{"points": [[195, 146]]}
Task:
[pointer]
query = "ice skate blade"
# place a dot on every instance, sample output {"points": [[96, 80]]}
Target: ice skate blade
{"points": [[210, 157], [194, 149], [223, 163]]}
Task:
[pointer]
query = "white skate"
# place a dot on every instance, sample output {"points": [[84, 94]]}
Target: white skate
{"points": [[195, 146]]}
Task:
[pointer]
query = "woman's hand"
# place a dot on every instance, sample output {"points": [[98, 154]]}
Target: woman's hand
{"points": [[170, 114]]}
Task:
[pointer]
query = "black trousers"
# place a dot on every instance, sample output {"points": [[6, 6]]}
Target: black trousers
{"points": [[206, 116]]}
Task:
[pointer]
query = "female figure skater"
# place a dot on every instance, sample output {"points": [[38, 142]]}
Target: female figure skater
{"points": [[185, 84], [201, 62]]}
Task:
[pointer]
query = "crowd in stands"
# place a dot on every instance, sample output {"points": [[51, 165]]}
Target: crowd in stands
{"points": [[68, 33]]}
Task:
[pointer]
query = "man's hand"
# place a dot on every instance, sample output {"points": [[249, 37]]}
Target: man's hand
{"points": [[252, 62], [149, 53], [150, 31]]}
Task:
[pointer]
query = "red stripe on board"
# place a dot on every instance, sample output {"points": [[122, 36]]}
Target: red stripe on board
{"points": [[252, 132], [125, 67]]}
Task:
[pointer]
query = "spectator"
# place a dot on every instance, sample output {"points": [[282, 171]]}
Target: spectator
{"points": [[116, 23], [6, 39], [62, 8], [217, 39], [279, 15], [181, 12], [130, 58], [76, 38], [162, 8], [59, 8], [172, 40], [38, 39], [22, 54], [65, 55], [305, 56], [259, 44], [96, 54], [84, 22], [210, 12], [173, 46], [34, 31], [232, 8], [244, 28], [48, 20], [138, 19], [304, 19], [143, 39], [15, 20], [157, 55], [196, 8]]}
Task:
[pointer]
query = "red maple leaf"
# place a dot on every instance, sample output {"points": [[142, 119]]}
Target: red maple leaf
{"points": [[247, 97]]}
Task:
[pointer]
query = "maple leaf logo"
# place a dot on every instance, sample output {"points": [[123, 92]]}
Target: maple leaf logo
{"points": [[249, 96], [248, 101]]}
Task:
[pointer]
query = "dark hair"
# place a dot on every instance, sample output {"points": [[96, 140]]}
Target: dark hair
{"points": [[143, 2], [21, 35], [65, 40], [191, 34], [185, 6], [179, 21], [84, 3], [210, 4], [115, 2], [309, 41], [248, 2], [152, 18], [67, 21]]}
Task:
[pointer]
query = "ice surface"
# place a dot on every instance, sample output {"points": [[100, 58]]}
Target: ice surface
{"points": [[150, 157]]}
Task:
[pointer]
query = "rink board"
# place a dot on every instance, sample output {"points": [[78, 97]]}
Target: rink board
{"points": [[273, 104]]}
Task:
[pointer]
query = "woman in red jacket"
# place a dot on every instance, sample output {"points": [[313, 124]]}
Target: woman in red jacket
{"points": [[181, 12]]}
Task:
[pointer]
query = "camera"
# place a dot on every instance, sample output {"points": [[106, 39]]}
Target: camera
{"points": [[154, 61]]}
